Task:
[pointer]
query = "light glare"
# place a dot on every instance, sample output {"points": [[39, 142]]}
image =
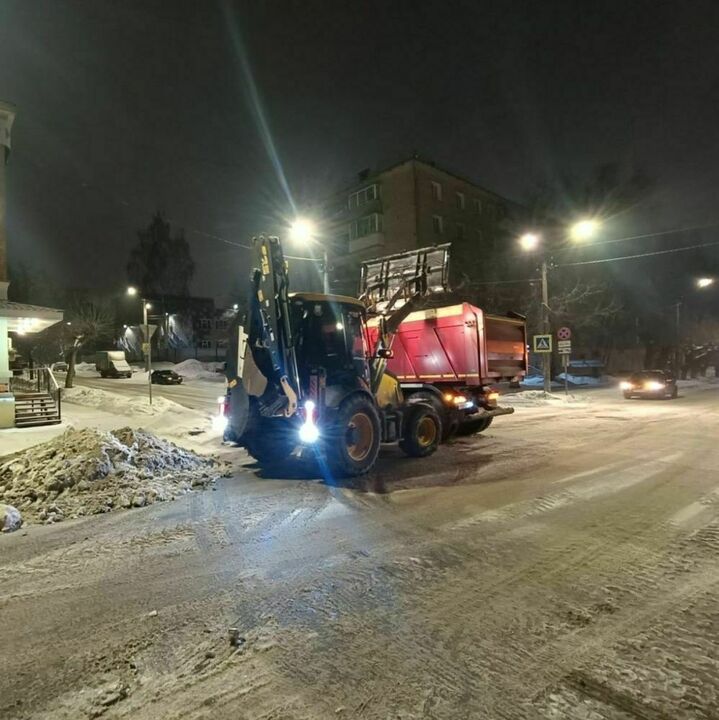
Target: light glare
{"points": [[529, 241]]}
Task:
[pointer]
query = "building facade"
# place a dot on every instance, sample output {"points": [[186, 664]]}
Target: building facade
{"points": [[410, 205]]}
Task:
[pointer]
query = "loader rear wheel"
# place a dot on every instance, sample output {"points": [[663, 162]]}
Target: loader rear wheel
{"points": [[422, 431], [354, 441]]}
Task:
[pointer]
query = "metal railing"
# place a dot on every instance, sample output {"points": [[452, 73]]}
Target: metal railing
{"points": [[37, 380]]}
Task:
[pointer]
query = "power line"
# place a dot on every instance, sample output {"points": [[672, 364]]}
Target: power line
{"points": [[640, 255], [654, 234]]}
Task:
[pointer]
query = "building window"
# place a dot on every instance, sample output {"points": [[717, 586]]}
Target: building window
{"points": [[363, 196], [477, 206], [205, 324], [436, 190], [221, 344], [460, 201], [221, 324], [437, 224], [204, 344], [460, 231], [366, 226]]}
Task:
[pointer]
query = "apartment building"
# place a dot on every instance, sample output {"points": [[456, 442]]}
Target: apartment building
{"points": [[408, 205]]}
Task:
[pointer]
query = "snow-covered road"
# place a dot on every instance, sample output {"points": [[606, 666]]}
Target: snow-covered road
{"points": [[562, 567], [196, 394]]}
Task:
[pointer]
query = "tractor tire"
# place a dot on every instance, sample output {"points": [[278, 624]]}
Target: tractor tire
{"points": [[422, 431], [675, 393], [271, 443], [103, 374], [353, 442], [474, 427]]}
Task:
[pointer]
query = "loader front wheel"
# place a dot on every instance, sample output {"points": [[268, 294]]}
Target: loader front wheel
{"points": [[272, 442], [354, 442]]}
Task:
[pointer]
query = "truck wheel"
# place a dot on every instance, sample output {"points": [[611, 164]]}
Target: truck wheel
{"points": [[422, 431], [448, 428], [473, 427], [353, 443], [103, 374]]}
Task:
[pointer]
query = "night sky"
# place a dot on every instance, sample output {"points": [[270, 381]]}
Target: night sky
{"points": [[128, 107]]}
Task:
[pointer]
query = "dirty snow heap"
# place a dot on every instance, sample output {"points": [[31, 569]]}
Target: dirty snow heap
{"points": [[84, 472]]}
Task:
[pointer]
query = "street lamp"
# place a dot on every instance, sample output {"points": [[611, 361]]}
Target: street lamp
{"points": [[705, 282], [304, 232], [529, 241], [584, 229], [132, 291]]}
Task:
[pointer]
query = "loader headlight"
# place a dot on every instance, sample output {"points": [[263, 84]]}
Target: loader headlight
{"points": [[653, 385], [219, 423], [309, 432], [625, 385]]}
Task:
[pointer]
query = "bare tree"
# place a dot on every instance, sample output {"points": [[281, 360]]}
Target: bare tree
{"points": [[86, 323]]}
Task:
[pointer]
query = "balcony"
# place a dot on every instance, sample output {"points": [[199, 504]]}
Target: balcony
{"points": [[367, 242]]}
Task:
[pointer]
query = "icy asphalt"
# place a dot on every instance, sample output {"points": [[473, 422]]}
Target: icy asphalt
{"points": [[562, 566]]}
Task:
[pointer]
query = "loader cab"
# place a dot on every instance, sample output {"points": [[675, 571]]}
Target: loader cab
{"points": [[330, 333]]}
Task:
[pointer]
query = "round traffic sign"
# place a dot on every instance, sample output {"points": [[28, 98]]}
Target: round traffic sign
{"points": [[564, 333]]}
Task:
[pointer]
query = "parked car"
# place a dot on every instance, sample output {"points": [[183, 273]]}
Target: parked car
{"points": [[165, 377], [59, 366], [650, 384]]}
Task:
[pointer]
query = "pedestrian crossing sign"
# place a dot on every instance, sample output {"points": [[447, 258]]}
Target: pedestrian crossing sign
{"points": [[542, 343]]}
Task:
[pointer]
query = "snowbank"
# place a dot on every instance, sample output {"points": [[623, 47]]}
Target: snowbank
{"points": [[585, 380], [120, 404], [195, 370], [537, 398], [704, 383], [85, 472]]}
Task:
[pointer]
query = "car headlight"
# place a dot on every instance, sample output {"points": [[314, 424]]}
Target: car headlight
{"points": [[653, 385], [626, 385], [309, 432]]}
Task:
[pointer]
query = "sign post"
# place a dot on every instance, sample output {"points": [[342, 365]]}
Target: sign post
{"points": [[564, 348]]}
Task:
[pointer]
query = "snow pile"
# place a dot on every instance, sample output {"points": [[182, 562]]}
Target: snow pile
{"points": [[120, 404], [537, 398], [196, 370], [85, 472], [86, 369], [584, 380], [705, 383]]}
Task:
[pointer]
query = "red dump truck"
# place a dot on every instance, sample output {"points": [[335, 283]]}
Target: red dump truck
{"points": [[452, 355]]}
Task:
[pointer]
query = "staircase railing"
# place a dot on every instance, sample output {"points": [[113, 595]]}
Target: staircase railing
{"points": [[39, 379]]}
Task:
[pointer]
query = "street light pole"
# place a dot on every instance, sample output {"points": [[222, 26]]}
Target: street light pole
{"points": [[547, 357], [148, 354], [325, 272]]}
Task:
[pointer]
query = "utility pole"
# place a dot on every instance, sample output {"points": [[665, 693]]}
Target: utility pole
{"points": [[325, 272], [677, 333], [547, 357]]}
